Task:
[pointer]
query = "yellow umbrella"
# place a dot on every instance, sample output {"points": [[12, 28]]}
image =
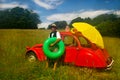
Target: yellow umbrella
{"points": [[89, 32]]}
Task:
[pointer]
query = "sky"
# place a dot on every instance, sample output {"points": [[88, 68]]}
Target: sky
{"points": [[50, 11]]}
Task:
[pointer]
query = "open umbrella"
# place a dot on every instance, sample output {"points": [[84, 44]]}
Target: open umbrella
{"points": [[89, 32]]}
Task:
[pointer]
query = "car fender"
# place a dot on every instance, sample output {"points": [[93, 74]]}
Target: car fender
{"points": [[90, 58], [37, 49]]}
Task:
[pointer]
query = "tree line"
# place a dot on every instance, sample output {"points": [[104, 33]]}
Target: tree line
{"points": [[19, 18], [107, 24]]}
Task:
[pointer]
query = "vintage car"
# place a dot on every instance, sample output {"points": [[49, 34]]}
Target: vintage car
{"points": [[79, 51]]}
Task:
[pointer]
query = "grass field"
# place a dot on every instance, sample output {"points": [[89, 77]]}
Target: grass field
{"points": [[13, 65]]}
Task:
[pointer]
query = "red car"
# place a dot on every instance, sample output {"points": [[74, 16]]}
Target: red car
{"points": [[78, 50]]}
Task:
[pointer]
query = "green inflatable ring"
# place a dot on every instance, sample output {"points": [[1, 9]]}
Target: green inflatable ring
{"points": [[51, 54]]}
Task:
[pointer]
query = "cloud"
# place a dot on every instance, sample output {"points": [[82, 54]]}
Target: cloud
{"points": [[93, 14], [48, 4], [62, 16], [44, 25], [83, 14], [37, 11], [11, 5], [117, 13], [70, 16]]}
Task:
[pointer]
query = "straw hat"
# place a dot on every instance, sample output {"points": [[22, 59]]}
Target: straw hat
{"points": [[53, 25]]}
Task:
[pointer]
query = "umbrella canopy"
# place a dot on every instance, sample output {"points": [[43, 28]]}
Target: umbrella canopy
{"points": [[89, 32]]}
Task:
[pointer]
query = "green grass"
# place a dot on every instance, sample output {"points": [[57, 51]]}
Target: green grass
{"points": [[13, 65]]}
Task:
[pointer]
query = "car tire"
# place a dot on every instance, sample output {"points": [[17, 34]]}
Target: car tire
{"points": [[31, 57]]}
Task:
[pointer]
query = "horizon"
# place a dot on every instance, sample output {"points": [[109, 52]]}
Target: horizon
{"points": [[51, 11]]}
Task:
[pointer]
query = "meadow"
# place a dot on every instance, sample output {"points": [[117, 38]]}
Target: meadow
{"points": [[13, 65]]}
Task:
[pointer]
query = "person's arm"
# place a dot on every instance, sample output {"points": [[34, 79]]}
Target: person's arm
{"points": [[58, 39], [55, 42]]}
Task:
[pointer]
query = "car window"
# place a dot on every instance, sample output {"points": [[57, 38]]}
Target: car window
{"points": [[69, 41], [84, 42]]}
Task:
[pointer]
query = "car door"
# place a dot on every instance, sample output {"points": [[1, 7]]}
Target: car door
{"points": [[70, 49], [86, 53]]}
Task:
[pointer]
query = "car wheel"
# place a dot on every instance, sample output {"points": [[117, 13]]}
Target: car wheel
{"points": [[31, 57]]}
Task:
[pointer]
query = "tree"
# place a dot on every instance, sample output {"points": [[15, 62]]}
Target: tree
{"points": [[18, 18], [78, 19], [107, 24], [59, 24], [103, 18], [110, 28]]}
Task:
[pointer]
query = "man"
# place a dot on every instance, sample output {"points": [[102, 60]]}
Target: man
{"points": [[54, 33]]}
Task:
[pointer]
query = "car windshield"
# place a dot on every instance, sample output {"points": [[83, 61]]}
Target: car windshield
{"points": [[84, 42], [69, 41]]}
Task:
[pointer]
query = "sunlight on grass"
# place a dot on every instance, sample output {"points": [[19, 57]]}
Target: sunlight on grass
{"points": [[13, 65]]}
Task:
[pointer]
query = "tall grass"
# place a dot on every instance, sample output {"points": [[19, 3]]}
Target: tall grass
{"points": [[13, 65]]}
